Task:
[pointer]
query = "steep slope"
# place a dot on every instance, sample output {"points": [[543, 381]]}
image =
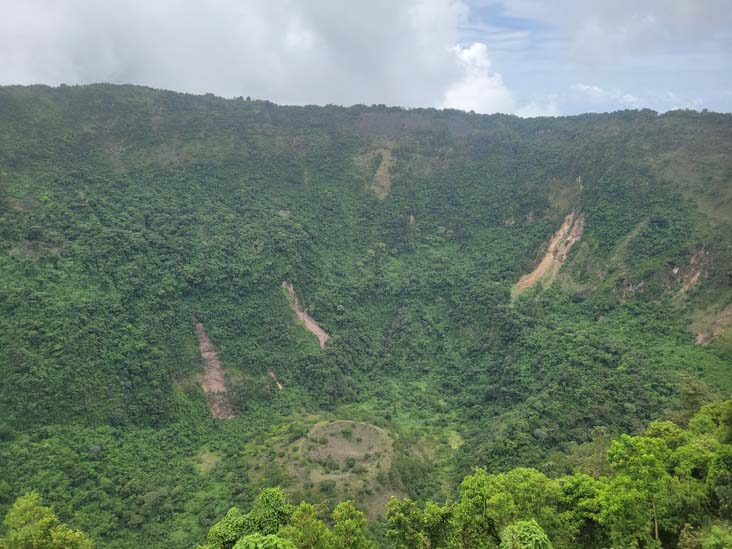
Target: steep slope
{"points": [[126, 211], [214, 384], [556, 254], [303, 315]]}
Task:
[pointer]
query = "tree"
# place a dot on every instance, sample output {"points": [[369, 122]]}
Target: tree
{"points": [[644, 461], [349, 527], [306, 530], [32, 525], [270, 511], [225, 533], [719, 537], [258, 541], [489, 503], [579, 496], [477, 528], [623, 511], [439, 525], [719, 480], [409, 527], [404, 523], [524, 534]]}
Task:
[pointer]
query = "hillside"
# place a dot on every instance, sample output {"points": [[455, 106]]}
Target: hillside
{"points": [[456, 290]]}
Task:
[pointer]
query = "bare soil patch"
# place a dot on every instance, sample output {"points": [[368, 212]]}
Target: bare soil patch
{"points": [[214, 384], [270, 373], [336, 460], [380, 179], [303, 315], [356, 458], [556, 254], [23, 205], [339, 441], [690, 276], [712, 325], [34, 250]]}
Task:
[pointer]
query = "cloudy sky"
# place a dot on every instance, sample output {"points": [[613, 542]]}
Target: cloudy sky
{"points": [[529, 57]]}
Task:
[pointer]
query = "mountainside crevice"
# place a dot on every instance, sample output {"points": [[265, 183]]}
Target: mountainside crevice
{"points": [[214, 383], [309, 322], [556, 254]]}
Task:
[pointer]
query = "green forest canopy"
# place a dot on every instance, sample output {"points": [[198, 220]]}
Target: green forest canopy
{"points": [[669, 484], [127, 213]]}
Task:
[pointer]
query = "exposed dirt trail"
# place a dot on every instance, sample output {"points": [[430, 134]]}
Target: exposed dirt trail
{"points": [[270, 373], [214, 384], [303, 315], [696, 271], [382, 177], [556, 254]]}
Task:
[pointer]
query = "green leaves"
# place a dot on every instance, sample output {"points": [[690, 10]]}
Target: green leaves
{"points": [[411, 527], [270, 511], [349, 528], [31, 525], [306, 530], [259, 541], [642, 459], [126, 211], [225, 533], [273, 523], [525, 534], [664, 484]]}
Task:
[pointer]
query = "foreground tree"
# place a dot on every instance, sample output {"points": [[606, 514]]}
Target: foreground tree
{"points": [[34, 526], [670, 487], [306, 530], [258, 541], [644, 461], [349, 528], [524, 534], [270, 511], [273, 523], [410, 527]]}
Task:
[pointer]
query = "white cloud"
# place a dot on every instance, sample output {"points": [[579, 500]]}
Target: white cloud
{"points": [[643, 47], [593, 91], [598, 94], [629, 27], [479, 89], [633, 27], [546, 107], [323, 51], [517, 56]]}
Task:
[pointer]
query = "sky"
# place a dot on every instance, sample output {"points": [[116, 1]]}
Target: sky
{"points": [[526, 57]]}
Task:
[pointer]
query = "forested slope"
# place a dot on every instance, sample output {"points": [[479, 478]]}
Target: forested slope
{"points": [[128, 214]]}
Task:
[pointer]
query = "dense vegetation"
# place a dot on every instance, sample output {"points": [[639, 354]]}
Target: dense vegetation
{"points": [[670, 484], [126, 212]]}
